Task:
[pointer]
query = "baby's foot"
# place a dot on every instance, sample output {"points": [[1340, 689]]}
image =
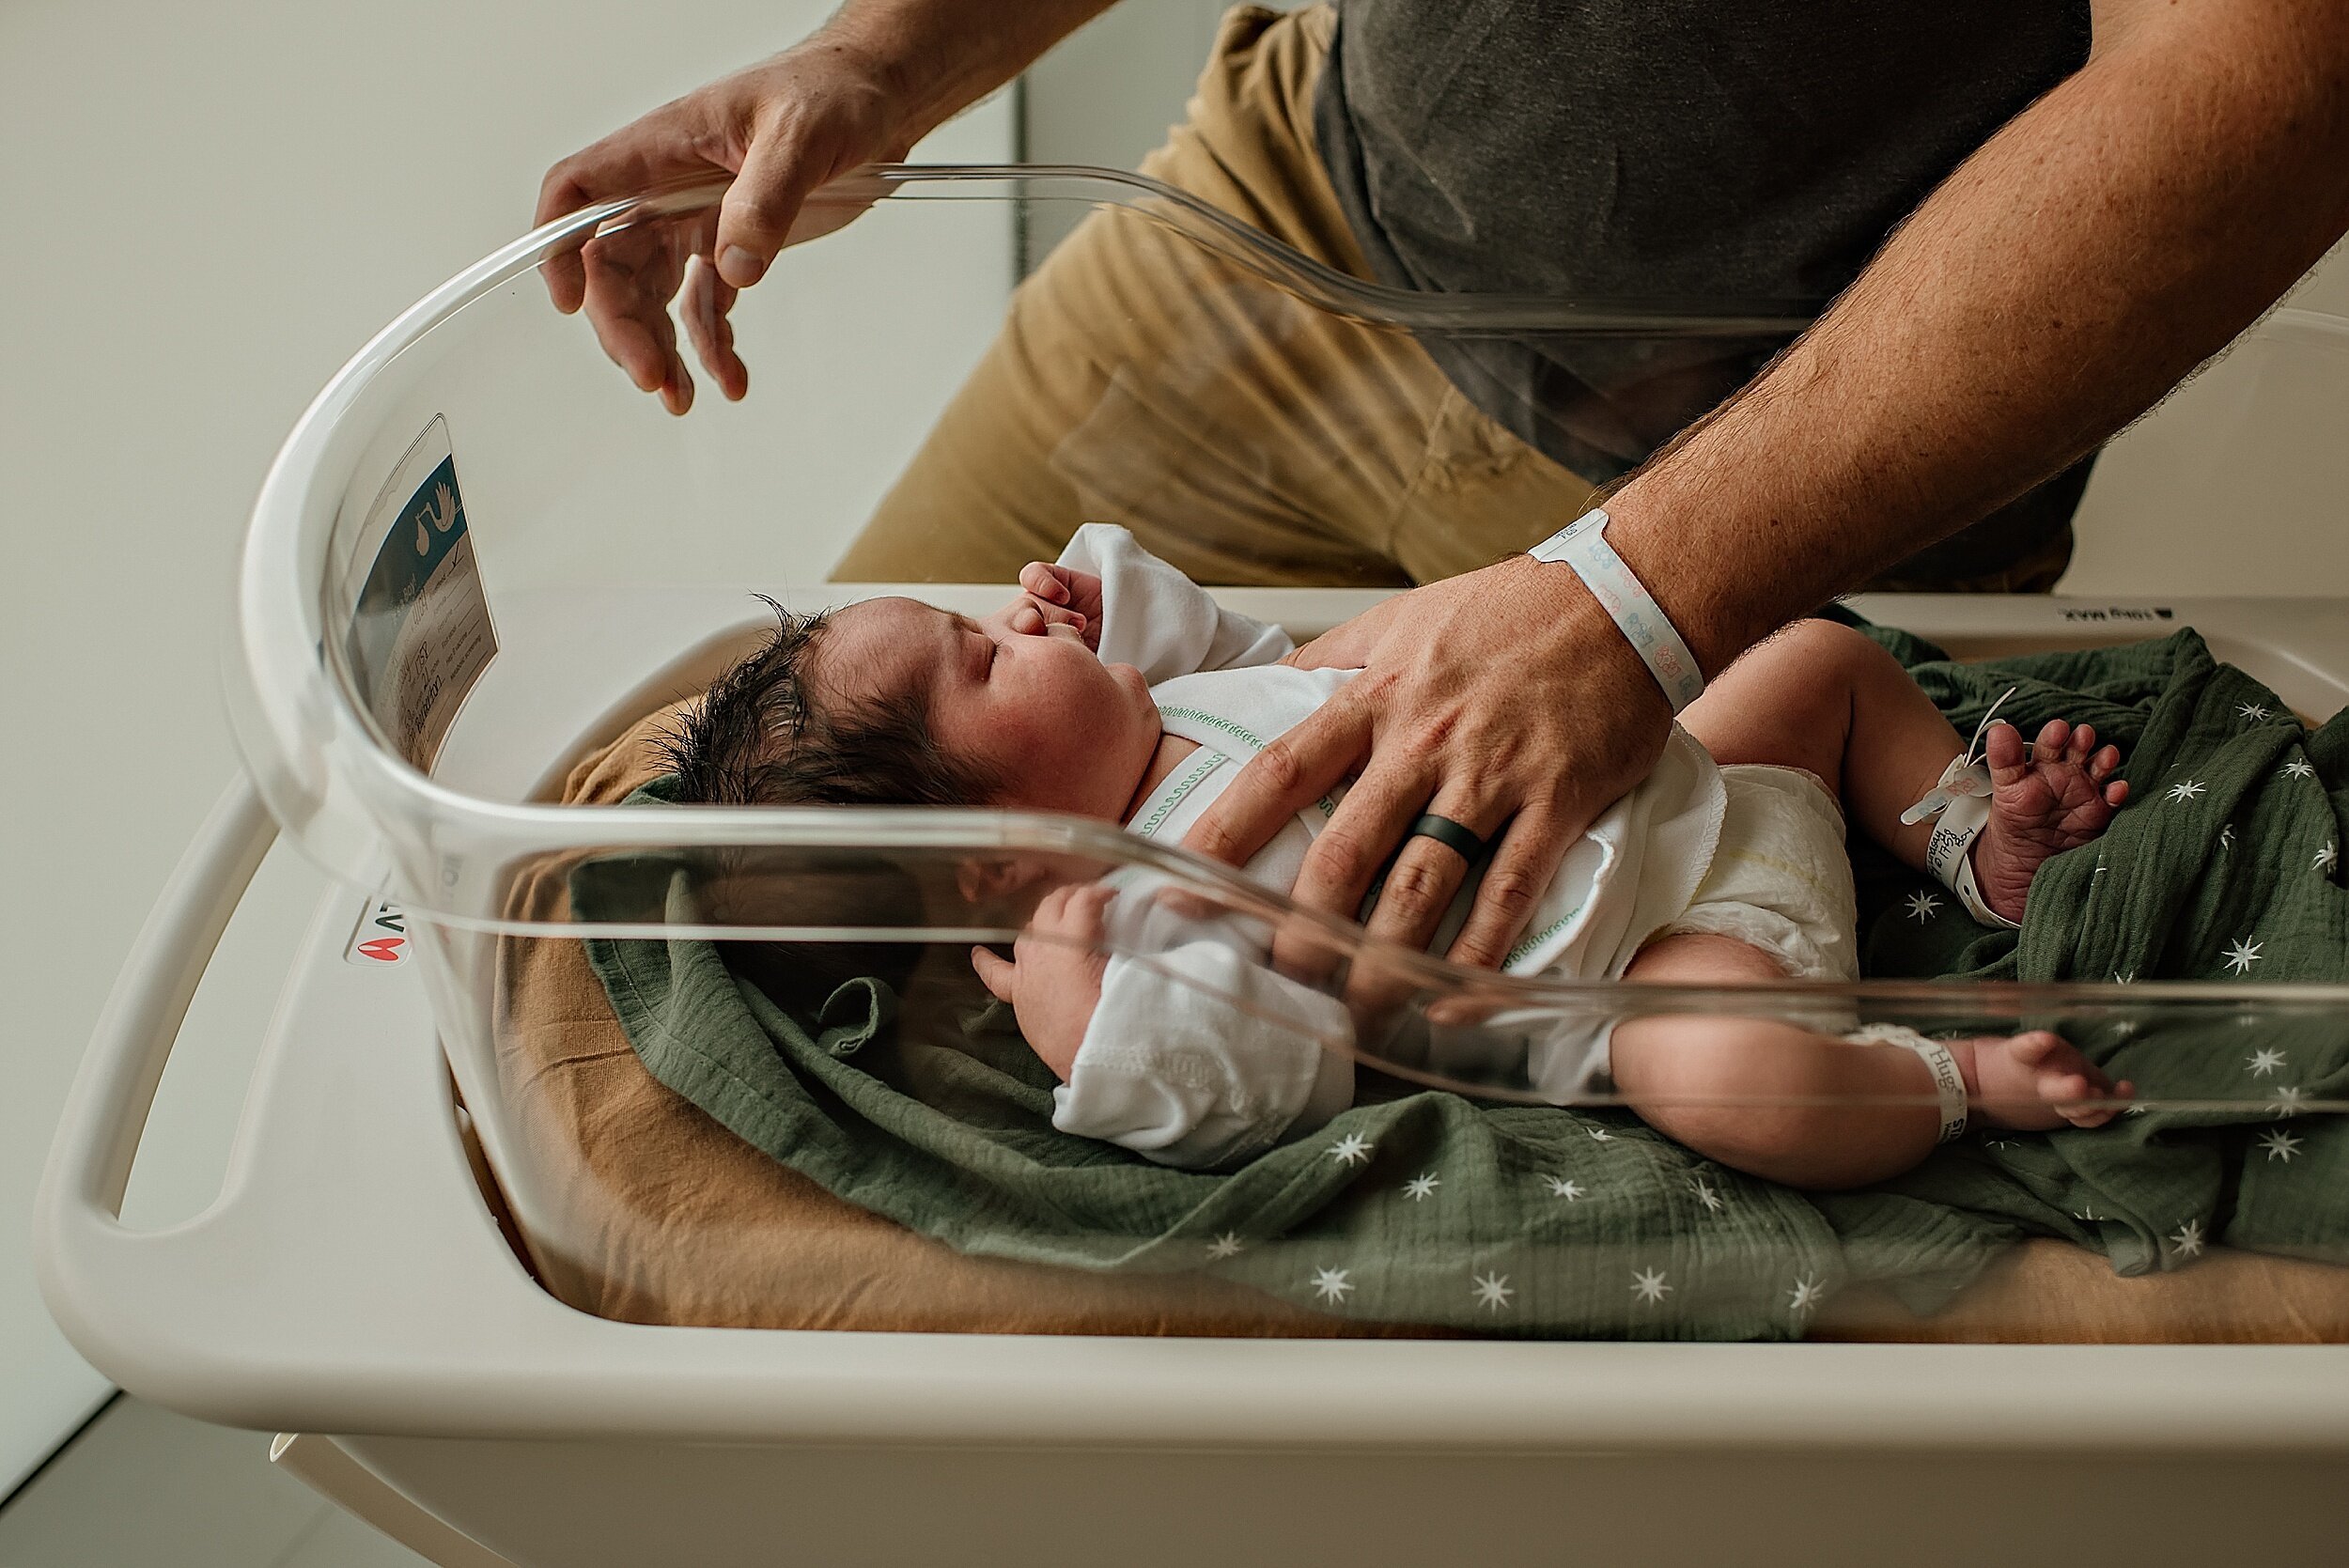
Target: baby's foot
{"points": [[2034, 1081], [2044, 799]]}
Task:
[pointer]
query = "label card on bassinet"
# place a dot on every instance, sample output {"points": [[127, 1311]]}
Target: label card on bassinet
{"points": [[420, 633]]}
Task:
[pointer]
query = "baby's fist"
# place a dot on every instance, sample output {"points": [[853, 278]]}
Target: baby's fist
{"points": [[1078, 591], [1053, 977]]}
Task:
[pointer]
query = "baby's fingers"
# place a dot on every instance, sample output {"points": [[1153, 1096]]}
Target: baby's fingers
{"points": [[1043, 580], [1001, 976], [1072, 911]]}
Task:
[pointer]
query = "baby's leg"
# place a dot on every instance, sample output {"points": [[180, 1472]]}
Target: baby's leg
{"points": [[1821, 696], [1762, 1096], [1792, 1105]]}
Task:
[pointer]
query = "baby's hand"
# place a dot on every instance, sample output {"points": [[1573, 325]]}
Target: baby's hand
{"points": [[1063, 597], [1052, 979]]}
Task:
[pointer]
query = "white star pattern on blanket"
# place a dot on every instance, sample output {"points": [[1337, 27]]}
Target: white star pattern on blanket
{"points": [[1705, 1194], [1649, 1286], [1228, 1245], [2226, 836], [2185, 791], [1421, 1187], [2264, 1063], [1600, 1135], [2280, 1144], [2187, 1239], [2243, 954], [2328, 857], [1805, 1294], [1561, 1188], [2299, 767], [1332, 1284], [1920, 906], [1492, 1291], [2252, 712], [1353, 1149], [2288, 1100]]}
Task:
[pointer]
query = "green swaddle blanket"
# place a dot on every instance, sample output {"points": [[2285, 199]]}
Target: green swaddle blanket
{"points": [[1431, 1208]]}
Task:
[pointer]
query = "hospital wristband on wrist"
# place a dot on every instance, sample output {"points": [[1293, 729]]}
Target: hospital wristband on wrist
{"points": [[1582, 546], [1949, 1084]]}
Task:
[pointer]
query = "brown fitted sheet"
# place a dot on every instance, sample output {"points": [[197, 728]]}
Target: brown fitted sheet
{"points": [[648, 1211]]}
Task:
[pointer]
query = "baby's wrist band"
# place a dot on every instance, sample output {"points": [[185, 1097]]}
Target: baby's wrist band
{"points": [[1962, 802], [1582, 546], [1949, 1084]]}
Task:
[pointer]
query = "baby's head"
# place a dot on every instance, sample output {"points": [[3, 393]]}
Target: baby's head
{"points": [[892, 702]]}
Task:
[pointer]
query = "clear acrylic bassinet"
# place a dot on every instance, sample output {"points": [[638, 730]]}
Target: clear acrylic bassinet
{"points": [[484, 559]]}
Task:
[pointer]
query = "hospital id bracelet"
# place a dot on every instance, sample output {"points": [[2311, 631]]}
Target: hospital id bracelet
{"points": [[1582, 545], [1949, 1084]]}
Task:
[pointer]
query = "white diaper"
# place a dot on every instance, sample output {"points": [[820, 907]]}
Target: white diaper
{"points": [[1780, 878]]}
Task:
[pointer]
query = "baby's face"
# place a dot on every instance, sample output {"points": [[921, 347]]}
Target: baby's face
{"points": [[1038, 709]]}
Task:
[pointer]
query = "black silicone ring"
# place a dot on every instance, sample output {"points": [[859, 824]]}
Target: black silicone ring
{"points": [[1452, 834]]}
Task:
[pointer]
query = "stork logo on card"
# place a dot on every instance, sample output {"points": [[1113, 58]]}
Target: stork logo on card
{"points": [[381, 937]]}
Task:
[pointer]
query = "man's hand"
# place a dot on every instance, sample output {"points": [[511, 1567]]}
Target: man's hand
{"points": [[1052, 980], [1503, 699], [781, 128], [876, 79], [1054, 596]]}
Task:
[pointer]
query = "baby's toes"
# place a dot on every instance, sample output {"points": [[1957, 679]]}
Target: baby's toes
{"points": [[2002, 749], [2053, 736], [2081, 1115], [2083, 742], [2037, 1049], [2100, 767]]}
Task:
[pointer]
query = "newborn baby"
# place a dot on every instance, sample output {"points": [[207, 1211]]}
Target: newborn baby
{"points": [[1115, 687]]}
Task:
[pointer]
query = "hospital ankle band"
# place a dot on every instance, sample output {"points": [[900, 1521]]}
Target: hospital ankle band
{"points": [[1949, 1084], [1962, 801], [1582, 546]]}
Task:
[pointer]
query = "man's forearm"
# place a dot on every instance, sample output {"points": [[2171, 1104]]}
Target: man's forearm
{"points": [[2104, 242], [940, 56]]}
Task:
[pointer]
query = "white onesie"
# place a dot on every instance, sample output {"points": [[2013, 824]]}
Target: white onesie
{"points": [[1182, 1061]]}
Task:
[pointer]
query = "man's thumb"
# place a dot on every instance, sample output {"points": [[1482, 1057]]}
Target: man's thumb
{"points": [[755, 216]]}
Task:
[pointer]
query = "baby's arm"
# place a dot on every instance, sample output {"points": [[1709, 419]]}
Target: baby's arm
{"points": [[1197, 1055]]}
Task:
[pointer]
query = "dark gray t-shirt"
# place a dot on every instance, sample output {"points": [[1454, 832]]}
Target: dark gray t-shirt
{"points": [[1707, 149]]}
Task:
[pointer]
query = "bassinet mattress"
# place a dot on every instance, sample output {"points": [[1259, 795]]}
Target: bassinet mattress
{"points": [[666, 1217]]}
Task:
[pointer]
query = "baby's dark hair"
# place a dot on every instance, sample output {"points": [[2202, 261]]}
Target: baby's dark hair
{"points": [[774, 732], [770, 734]]}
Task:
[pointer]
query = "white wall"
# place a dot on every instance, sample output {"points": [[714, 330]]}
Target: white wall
{"points": [[208, 209]]}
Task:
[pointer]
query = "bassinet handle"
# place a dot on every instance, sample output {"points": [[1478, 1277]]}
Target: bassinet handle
{"points": [[80, 1204]]}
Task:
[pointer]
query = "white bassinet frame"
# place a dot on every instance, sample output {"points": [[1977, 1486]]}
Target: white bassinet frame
{"points": [[350, 1285], [350, 1281]]}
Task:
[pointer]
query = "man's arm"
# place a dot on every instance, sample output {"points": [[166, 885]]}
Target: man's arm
{"points": [[2109, 238], [2106, 241]]}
